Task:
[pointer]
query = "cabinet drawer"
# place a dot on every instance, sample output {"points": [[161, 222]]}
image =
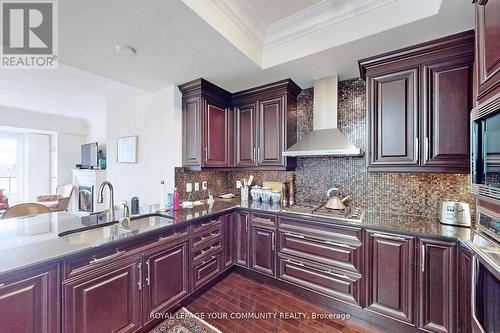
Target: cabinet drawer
{"points": [[328, 281], [206, 270], [324, 250], [208, 237], [337, 233], [206, 226], [263, 219], [207, 251]]}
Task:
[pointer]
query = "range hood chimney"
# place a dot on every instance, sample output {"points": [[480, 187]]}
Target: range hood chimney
{"points": [[325, 139]]}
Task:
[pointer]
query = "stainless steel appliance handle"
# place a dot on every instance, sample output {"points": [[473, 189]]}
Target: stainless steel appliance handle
{"points": [[139, 283], [206, 154], [417, 153], [426, 148], [422, 259]]}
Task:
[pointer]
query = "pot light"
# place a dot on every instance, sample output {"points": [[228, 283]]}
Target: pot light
{"points": [[125, 49]]}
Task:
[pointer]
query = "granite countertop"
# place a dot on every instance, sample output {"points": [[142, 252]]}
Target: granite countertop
{"points": [[37, 239]]}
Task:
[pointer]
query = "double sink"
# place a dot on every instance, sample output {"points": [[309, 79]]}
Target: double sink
{"points": [[113, 231]]}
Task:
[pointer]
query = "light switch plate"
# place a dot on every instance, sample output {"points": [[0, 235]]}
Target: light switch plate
{"points": [[204, 185], [196, 186], [189, 187], [238, 184]]}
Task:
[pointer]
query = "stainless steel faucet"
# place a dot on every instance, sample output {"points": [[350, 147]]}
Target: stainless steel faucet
{"points": [[100, 198]]}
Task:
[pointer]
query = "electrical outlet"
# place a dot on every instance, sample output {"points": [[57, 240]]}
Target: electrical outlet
{"points": [[204, 185], [238, 184], [189, 187], [196, 186]]}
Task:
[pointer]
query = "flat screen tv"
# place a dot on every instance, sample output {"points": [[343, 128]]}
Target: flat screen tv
{"points": [[89, 156]]}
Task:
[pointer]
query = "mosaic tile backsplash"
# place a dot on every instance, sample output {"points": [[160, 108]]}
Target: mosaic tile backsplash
{"points": [[412, 193]]}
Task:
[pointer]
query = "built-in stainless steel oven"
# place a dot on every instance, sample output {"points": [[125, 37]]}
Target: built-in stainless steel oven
{"points": [[485, 292], [485, 150]]}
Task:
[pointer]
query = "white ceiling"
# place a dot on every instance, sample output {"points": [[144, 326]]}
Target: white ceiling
{"points": [[174, 45], [272, 11], [66, 91]]}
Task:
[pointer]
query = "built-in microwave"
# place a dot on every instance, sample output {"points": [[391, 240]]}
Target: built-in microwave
{"points": [[485, 150]]}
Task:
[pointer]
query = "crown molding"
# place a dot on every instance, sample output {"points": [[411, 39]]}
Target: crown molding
{"points": [[320, 16], [244, 16]]}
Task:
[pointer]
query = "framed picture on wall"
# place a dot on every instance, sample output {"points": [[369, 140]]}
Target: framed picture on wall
{"points": [[127, 149]]}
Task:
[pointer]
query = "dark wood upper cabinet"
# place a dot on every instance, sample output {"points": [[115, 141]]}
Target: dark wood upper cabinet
{"points": [[205, 125], [447, 103], [419, 100], [393, 118], [487, 49], [390, 282], [245, 135], [166, 279], [271, 134], [247, 129], [107, 299], [437, 283], [216, 136], [29, 302]]}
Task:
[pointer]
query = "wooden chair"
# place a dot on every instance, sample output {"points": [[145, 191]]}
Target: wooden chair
{"points": [[25, 209]]}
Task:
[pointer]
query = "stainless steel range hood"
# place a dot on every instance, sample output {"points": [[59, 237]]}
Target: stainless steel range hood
{"points": [[325, 139]]}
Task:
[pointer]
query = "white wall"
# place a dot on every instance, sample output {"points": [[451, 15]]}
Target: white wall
{"points": [[69, 134], [156, 119]]}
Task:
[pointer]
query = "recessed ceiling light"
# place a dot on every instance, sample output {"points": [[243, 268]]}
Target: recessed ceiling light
{"points": [[125, 49]]}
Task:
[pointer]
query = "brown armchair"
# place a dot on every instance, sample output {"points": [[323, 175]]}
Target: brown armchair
{"points": [[59, 201]]}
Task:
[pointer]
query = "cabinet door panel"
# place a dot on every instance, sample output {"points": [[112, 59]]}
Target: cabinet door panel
{"points": [[191, 132], [262, 249], [487, 48], [228, 240], [465, 313], [216, 135], [448, 95], [30, 304], [107, 300], [242, 225], [393, 119], [437, 285], [167, 279], [271, 130], [391, 275], [246, 149]]}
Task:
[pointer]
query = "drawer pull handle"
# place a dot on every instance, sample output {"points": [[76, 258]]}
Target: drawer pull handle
{"points": [[209, 223], [161, 239], [294, 235], [329, 242], [262, 220], [208, 260], [397, 238], [295, 262], [343, 276], [103, 259]]}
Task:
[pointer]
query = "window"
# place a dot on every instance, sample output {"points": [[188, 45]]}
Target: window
{"points": [[9, 166]]}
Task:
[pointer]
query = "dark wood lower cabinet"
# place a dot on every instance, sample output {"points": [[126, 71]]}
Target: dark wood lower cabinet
{"points": [[228, 240], [29, 302], [465, 269], [262, 250], [437, 281], [105, 300], [166, 278], [241, 240], [390, 280]]}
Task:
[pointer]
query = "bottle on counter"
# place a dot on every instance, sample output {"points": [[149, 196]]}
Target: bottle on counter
{"points": [[284, 194], [176, 201], [291, 191], [134, 206]]}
